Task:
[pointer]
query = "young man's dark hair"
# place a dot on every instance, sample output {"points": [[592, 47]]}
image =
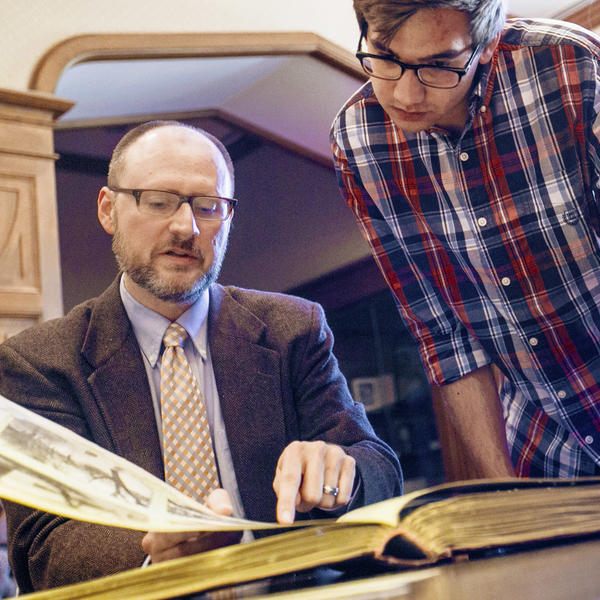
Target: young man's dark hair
{"points": [[486, 17]]}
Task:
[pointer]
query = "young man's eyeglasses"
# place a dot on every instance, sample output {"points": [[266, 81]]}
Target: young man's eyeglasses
{"points": [[388, 67], [159, 203]]}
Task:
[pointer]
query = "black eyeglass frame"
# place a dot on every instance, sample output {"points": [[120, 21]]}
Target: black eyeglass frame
{"points": [[136, 193], [460, 72]]}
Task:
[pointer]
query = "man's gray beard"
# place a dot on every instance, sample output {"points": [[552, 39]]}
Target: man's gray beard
{"points": [[146, 277]]}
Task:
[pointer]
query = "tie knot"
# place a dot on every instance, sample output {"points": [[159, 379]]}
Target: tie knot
{"points": [[175, 335]]}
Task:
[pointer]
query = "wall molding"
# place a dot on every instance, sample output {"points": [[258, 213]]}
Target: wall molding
{"points": [[216, 114], [30, 287], [586, 14], [84, 48]]}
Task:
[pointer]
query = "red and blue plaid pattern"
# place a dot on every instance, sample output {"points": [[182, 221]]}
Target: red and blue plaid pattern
{"points": [[490, 240]]}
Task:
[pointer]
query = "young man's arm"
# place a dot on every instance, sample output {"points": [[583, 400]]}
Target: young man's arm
{"points": [[471, 427]]}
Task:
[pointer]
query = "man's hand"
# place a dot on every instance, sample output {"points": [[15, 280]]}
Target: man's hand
{"points": [[164, 546], [302, 471]]}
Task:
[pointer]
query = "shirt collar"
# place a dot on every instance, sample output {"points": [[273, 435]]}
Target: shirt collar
{"points": [[482, 91], [149, 327]]}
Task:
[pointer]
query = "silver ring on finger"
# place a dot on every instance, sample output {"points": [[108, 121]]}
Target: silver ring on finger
{"points": [[331, 491]]}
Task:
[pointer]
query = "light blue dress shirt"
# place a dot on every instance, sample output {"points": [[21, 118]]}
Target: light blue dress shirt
{"points": [[149, 328]]}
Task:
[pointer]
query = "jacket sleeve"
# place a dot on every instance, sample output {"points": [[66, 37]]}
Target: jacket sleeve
{"points": [[326, 411]]}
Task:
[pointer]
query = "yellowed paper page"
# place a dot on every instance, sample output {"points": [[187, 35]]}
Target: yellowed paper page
{"points": [[47, 466]]}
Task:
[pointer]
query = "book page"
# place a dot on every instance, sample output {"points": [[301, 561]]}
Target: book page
{"points": [[391, 512], [46, 466]]}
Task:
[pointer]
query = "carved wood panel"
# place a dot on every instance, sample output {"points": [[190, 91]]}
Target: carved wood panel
{"points": [[29, 263], [20, 292], [19, 265]]}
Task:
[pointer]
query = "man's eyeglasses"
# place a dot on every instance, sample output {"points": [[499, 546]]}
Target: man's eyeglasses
{"points": [[389, 67], [159, 203]]}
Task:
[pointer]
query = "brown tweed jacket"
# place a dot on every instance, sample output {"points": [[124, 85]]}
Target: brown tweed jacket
{"points": [[278, 381]]}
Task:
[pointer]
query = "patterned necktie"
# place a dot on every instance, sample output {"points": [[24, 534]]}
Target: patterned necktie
{"points": [[190, 463]]}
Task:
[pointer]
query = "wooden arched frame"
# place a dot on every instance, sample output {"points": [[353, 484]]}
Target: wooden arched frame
{"points": [[94, 47], [84, 48], [97, 47]]}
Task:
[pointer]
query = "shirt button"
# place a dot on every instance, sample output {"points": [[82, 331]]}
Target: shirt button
{"points": [[589, 439], [562, 394], [533, 341], [505, 281], [571, 217], [464, 156], [482, 221]]}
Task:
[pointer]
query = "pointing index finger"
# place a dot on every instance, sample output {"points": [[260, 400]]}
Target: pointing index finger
{"points": [[287, 482]]}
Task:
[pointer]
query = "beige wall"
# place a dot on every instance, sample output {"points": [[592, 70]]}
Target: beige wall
{"points": [[31, 27]]}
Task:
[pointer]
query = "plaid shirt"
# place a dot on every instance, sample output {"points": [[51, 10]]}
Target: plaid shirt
{"points": [[490, 240]]}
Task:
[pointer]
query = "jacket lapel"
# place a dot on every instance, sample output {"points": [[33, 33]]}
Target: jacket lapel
{"points": [[120, 384], [248, 381]]}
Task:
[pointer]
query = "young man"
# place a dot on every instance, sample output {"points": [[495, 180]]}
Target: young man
{"points": [[470, 160], [284, 434]]}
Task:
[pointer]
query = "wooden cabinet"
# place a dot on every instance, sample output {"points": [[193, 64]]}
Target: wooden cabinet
{"points": [[30, 289]]}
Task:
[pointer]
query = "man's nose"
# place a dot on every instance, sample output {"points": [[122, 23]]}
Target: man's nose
{"points": [[408, 90], [183, 221]]}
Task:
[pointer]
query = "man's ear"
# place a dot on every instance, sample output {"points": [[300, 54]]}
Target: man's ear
{"points": [[106, 199], [489, 50]]}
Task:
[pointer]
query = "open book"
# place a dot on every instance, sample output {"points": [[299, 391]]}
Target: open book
{"points": [[49, 467], [46, 466]]}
